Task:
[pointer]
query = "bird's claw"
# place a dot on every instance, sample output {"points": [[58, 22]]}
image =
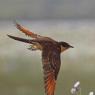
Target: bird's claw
{"points": [[32, 47]]}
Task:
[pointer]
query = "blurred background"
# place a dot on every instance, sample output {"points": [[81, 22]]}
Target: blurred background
{"points": [[72, 21]]}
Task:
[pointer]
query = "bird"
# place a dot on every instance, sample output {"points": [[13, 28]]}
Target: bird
{"points": [[51, 52]]}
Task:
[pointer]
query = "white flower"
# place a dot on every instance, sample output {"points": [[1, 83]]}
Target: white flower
{"points": [[76, 88], [77, 84], [91, 93], [73, 91]]}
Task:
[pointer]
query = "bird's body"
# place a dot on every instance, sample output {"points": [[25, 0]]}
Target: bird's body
{"points": [[51, 50]]}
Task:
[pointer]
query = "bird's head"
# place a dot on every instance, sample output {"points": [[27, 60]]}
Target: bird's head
{"points": [[65, 46]]}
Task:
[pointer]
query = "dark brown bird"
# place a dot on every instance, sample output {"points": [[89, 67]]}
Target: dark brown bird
{"points": [[51, 51]]}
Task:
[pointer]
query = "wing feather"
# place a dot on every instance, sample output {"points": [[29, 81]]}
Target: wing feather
{"points": [[51, 66], [26, 31]]}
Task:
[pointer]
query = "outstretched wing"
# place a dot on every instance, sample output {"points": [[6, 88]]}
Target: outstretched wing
{"points": [[51, 65], [27, 32], [21, 39]]}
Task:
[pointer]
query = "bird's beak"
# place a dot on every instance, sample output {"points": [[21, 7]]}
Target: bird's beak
{"points": [[71, 47], [21, 39]]}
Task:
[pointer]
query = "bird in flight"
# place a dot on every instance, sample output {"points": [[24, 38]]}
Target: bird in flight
{"points": [[51, 50]]}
